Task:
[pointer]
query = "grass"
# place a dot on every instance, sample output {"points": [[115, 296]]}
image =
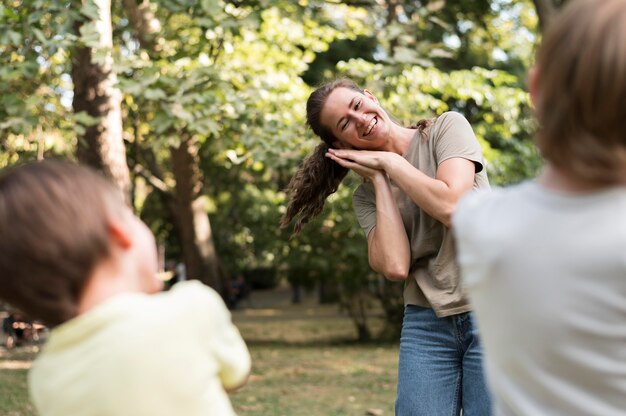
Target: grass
{"points": [[14, 366], [331, 380], [305, 362]]}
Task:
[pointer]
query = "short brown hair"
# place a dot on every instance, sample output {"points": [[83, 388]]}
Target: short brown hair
{"points": [[581, 91], [53, 231]]}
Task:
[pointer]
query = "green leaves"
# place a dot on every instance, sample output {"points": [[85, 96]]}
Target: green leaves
{"points": [[230, 75]]}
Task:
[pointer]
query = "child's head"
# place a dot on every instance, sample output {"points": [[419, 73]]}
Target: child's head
{"points": [[58, 222], [579, 88]]}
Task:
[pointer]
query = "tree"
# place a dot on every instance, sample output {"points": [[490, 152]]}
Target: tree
{"points": [[34, 122], [96, 94], [185, 200], [213, 96]]}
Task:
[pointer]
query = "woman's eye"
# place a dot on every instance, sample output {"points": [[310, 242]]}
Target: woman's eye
{"points": [[345, 125], [357, 105]]}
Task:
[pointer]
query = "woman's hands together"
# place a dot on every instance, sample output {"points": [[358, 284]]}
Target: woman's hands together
{"points": [[366, 163]]}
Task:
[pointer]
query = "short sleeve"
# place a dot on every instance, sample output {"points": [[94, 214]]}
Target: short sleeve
{"points": [[452, 136], [225, 342], [364, 204]]}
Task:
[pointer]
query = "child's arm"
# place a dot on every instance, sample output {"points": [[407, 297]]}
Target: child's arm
{"points": [[232, 353], [227, 345]]}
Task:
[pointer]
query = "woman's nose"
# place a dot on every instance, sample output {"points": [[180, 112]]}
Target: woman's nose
{"points": [[359, 117]]}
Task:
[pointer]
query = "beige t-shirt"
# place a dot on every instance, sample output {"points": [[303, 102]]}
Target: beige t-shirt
{"points": [[434, 274], [172, 353]]}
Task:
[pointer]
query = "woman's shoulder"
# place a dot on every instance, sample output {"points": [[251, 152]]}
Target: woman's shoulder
{"points": [[449, 119], [450, 124]]}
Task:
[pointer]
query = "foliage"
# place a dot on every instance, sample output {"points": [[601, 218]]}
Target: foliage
{"points": [[497, 109], [34, 43], [235, 75]]}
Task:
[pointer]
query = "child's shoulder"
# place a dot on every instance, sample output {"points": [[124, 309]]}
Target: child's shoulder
{"points": [[487, 206], [193, 291]]}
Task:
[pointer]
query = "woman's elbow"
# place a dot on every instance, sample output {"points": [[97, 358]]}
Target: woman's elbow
{"points": [[396, 276], [396, 273], [445, 215]]}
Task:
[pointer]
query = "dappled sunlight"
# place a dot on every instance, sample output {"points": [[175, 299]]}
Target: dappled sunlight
{"points": [[15, 365], [260, 312], [272, 318], [310, 380], [18, 358]]}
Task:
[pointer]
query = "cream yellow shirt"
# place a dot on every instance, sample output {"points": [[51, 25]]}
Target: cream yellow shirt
{"points": [[136, 354]]}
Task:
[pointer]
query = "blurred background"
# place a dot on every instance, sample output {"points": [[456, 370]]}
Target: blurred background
{"points": [[196, 109]]}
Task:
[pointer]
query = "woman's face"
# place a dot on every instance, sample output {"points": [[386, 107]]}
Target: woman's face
{"points": [[355, 119]]}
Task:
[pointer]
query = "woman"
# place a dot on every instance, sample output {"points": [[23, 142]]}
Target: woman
{"points": [[551, 302], [413, 179]]}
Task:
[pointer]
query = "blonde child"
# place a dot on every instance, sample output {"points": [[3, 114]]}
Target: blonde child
{"points": [[544, 262]]}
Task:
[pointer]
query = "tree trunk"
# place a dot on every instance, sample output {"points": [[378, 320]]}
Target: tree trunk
{"points": [[192, 222], [546, 9], [102, 145], [194, 229], [355, 304], [145, 25], [390, 295]]}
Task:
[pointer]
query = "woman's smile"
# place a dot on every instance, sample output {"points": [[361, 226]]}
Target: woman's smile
{"points": [[373, 122]]}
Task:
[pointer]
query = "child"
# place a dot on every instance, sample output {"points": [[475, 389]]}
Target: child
{"points": [[74, 256], [544, 262]]}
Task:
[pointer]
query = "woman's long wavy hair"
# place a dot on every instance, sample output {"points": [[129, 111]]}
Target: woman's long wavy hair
{"points": [[318, 176]]}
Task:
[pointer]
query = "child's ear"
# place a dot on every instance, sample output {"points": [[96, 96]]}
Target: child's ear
{"points": [[119, 234]]}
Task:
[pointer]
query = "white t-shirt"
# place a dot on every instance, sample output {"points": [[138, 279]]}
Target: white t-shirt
{"points": [[167, 354], [546, 276]]}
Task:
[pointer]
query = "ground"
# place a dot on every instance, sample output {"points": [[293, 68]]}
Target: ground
{"points": [[305, 363]]}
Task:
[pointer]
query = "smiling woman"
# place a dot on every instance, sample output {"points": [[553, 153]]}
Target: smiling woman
{"points": [[413, 178]]}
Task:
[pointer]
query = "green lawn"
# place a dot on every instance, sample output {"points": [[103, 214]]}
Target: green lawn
{"points": [[330, 380], [304, 363], [13, 394]]}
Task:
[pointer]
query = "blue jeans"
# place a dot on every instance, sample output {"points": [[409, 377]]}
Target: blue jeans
{"points": [[440, 370]]}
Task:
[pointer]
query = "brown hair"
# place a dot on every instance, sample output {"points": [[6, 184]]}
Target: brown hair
{"points": [[581, 91], [53, 231], [317, 177]]}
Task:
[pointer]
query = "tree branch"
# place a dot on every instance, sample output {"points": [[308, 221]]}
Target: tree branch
{"points": [[152, 179]]}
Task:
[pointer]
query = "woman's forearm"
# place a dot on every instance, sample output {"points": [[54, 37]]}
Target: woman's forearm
{"points": [[436, 196], [388, 244]]}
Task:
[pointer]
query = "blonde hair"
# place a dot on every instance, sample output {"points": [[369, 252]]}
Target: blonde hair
{"points": [[581, 91]]}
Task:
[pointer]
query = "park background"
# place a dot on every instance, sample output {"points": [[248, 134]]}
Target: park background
{"points": [[196, 110]]}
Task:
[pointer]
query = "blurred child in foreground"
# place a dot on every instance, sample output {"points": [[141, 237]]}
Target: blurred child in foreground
{"points": [[73, 255], [544, 262]]}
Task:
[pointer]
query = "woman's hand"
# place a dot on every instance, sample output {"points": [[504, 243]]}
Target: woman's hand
{"points": [[366, 163], [352, 160], [379, 160]]}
